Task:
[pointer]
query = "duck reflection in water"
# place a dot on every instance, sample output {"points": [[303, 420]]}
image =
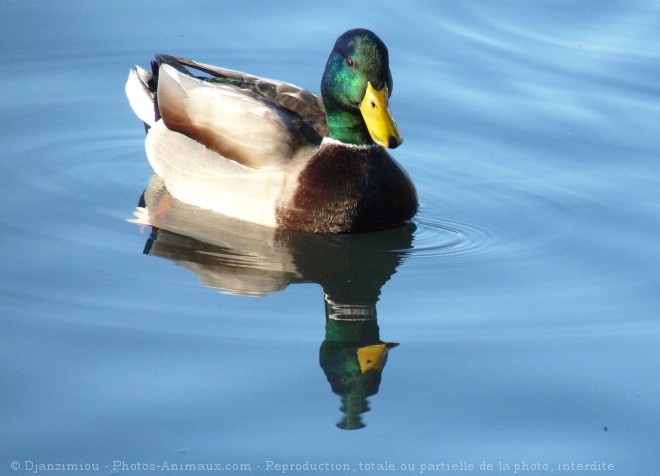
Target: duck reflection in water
{"points": [[237, 257]]}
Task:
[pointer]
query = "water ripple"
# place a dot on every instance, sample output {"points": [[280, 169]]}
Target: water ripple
{"points": [[446, 239]]}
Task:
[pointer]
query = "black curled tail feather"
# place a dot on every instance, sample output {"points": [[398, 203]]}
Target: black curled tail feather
{"points": [[153, 87]]}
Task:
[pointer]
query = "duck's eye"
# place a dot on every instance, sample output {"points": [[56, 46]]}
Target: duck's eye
{"points": [[350, 62]]}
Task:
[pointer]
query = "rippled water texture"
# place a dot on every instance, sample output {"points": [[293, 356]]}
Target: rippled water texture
{"points": [[514, 322]]}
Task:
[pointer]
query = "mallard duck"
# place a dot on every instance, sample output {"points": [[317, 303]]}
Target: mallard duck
{"points": [[272, 153]]}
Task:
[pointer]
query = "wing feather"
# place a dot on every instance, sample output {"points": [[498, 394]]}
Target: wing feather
{"points": [[197, 175], [239, 126], [307, 105]]}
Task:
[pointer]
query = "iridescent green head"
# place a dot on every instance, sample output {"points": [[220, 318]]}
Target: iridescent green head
{"points": [[356, 87]]}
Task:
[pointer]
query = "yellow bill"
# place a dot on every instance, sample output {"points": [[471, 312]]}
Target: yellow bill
{"points": [[376, 113], [372, 357]]}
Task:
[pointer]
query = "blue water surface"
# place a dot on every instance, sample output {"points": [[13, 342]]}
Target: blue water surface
{"points": [[524, 296]]}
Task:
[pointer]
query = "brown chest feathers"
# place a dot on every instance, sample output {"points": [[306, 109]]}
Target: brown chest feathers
{"points": [[339, 192]]}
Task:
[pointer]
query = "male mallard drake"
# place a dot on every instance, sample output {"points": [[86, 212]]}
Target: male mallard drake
{"points": [[272, 153]]}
